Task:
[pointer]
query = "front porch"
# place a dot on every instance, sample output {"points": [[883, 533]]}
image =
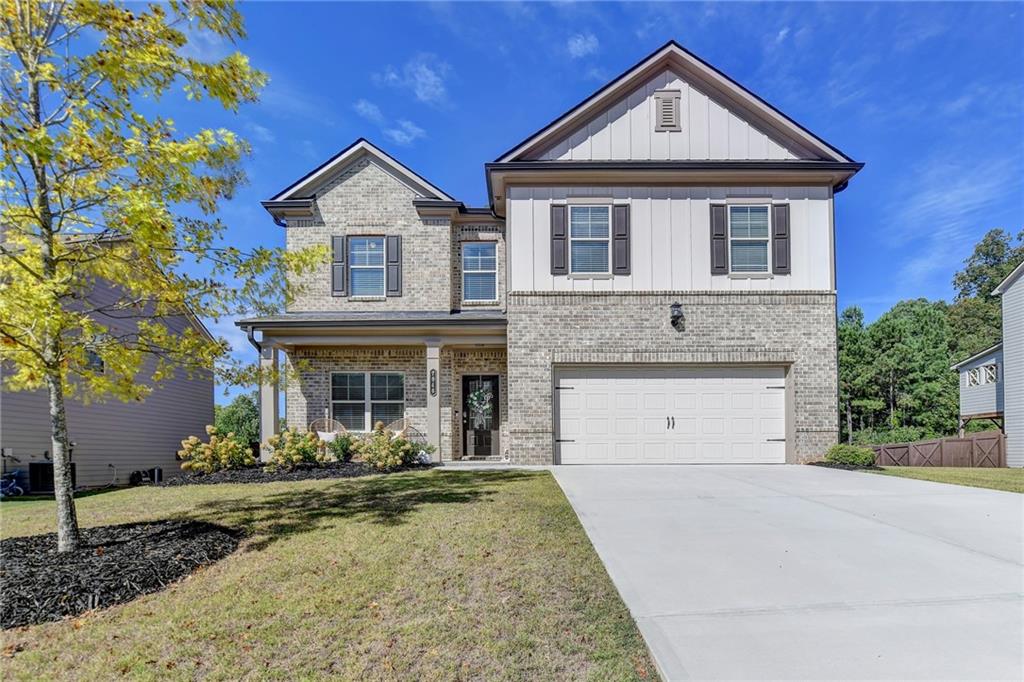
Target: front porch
{"points": [[446, 375]]}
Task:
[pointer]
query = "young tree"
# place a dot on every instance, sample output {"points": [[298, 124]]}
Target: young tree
{"points": [[854, 365], [97, 187]]}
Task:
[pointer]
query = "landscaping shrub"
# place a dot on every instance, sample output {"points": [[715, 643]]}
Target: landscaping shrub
{"points": [[224, 451], [851, 455], [341, 447], [382, 450], [290, 447]]}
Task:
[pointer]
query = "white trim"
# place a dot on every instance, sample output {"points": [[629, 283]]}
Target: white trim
{"points": [[767, 272], [977, 356], [383, 267], [589, 275], [368, 401], [352, 154]]}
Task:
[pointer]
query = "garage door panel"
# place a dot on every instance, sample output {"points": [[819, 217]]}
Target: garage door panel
{"points": [[625, 415]]}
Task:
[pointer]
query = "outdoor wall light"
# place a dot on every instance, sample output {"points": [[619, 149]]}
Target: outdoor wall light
{"points": [[678, 321]]}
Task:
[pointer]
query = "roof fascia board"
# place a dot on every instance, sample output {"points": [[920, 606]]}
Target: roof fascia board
{"points": [[674, 55], [978, 356], [1005, 284], [298, 325], [352, 153]]}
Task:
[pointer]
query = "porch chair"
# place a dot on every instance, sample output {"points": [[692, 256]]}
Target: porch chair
{"points": [[403, 428]]}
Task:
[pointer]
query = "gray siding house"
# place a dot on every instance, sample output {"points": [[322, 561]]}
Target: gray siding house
{"points": [[110, 439], [651, 281], [981, 386], [1012, 291]]}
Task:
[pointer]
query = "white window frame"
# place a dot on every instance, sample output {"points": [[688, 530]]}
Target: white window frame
{"points": [[383, 267], [486, 272], [973, 377], [989, 373], [568, 226], [367, 400], [767, 240]]}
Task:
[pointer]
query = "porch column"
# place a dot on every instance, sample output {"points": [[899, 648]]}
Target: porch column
{"points": [[268, 397], [434, 396]]}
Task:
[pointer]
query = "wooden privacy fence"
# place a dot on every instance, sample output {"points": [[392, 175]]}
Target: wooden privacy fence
{"points": [[987, 449]]}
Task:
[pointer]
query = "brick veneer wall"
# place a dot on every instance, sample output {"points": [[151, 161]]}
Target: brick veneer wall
{"points": [[797, 329], [308, 395], [366, 200]]}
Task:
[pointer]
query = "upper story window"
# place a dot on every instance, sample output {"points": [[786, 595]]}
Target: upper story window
{"points": [[748, 239], [479, 272], [973, 377], [589, 239], [366, 266], [989, 373]]}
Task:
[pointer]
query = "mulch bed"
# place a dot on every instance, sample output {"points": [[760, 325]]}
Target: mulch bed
{"points": [[114, 565], [301, 472], [844, 467]]}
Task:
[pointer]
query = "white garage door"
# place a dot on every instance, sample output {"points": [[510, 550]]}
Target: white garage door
{"points": [[666, 415]]}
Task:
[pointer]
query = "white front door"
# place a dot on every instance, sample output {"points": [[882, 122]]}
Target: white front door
{"points": [[670, 415]]}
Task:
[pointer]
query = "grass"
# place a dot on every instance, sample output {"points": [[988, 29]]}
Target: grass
{"points": [[1011, 480], [419, 575]]}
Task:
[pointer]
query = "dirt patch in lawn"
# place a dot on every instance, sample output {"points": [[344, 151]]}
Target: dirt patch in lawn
{"points": [[114, 565], [301, 472]]}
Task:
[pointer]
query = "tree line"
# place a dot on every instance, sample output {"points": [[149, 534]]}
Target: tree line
{"points": [[895, 382]]}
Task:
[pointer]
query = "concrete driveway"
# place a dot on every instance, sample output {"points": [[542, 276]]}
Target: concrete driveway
{"points": [[799, 572]]}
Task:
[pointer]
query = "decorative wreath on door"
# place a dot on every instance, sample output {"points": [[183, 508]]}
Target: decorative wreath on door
{"points": [[480, 406]]}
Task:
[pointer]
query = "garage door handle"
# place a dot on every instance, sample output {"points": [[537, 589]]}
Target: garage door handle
{"points": [[564, 440], [775, 440], [673, 423]]}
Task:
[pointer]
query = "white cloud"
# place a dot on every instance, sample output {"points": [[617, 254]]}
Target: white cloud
{"points": [[404, 133], [206, 46], [582, 44], [370, 111], [781, 35], [261, 133], [424, 75]]}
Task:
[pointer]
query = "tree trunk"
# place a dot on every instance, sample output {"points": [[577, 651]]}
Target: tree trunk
{"points": [[68, 538]]}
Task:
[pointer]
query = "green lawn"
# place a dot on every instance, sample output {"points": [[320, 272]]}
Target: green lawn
{"points": [[424, 575], [1011, 480]]}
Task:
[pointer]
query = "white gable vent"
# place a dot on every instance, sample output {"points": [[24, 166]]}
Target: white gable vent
{"points": [[666, 111]]}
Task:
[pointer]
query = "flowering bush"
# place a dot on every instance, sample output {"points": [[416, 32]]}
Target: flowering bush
{"points": [[224, 451], [290, 447], [383, 450], [341, 447]]}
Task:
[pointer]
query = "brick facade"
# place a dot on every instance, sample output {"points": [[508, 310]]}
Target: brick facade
{"points": [[792, 329], [366, 200], [462, 233]]}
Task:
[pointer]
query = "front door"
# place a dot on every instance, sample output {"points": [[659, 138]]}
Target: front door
{"points": [[480, 415]]}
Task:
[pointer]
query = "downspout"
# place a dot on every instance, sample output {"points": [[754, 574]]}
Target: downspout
{"points": [[252, 339]]}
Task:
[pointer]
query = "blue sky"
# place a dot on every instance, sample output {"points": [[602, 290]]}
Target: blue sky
{"points": [[929, 96]]}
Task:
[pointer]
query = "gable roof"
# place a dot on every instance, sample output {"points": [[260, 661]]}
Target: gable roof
{"points": [[302, 188], [1010, 279], [978, 356], [675, 56]]}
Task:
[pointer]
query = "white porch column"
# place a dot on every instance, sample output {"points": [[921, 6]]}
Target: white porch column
{"points": [[268, 397], [434, 396]]}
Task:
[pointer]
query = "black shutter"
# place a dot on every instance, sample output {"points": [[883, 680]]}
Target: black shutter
{"points": [[394, 265], [780, 239], [339, 271], [620, 240], [559, 241], [719, 240]]}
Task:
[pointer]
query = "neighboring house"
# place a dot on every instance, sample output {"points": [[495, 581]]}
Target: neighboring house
{"points": [[653, 281], [110, 439], [981, 387], [1012, 291]]}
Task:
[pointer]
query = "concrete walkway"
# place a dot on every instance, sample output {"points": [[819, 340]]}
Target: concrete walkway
{"points": [[799, 572]]}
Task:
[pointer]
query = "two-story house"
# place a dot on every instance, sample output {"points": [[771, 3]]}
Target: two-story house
{"points": [[653, 281]]}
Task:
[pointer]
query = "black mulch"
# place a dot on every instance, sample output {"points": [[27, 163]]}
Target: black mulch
{"points": [[114, 565], [301, 472], [845, 467]]}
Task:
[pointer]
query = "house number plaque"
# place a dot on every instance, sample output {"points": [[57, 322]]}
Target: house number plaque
{"points": [[433, 382]]}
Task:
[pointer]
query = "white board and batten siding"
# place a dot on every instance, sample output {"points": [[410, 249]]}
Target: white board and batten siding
{"points": [[670, 240], [626, 131], [1013, 381], [670, 415]]}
